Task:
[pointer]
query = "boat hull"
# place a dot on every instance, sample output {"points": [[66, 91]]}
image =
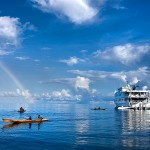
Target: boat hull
{"points": [[21, 111], [24, 121], [122, 104], [130, 105]]}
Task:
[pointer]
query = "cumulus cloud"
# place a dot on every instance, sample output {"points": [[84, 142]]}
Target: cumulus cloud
{"points": [[77, 11], [72, 61], [82, 83], [18, 93], [10, 35], [126, 54], [10, 31], [62, 95]]}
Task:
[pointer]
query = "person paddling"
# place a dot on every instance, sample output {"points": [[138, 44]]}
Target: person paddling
{"points": [[21, 109], [30, 118], [39, 117]]}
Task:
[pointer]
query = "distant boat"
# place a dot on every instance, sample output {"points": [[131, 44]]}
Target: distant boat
{"points": [[129, 97], [21, 110], [25, 121], [99, 108]]}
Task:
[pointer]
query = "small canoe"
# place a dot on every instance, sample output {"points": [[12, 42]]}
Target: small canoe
{"points": [[25, 121]]}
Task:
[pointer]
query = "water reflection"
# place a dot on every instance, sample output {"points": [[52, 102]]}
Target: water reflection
{"points": [[135, 126], [82, 124], [135, 120], [13, 125]]}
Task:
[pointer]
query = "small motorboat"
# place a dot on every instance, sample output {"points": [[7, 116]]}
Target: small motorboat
{"points": [[25, 121]]}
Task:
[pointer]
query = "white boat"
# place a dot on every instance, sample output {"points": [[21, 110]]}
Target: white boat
{"points": [[129, 97]]}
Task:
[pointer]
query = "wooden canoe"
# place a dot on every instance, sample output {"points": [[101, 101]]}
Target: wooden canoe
{"points": [[25, 121]]}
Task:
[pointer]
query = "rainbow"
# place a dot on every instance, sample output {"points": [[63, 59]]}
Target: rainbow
{"points": [[16, 81]]}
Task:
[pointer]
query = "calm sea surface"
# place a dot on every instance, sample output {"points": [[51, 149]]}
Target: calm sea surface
{"points": [[74, 126]]}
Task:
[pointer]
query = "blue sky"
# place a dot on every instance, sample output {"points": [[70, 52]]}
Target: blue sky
{"points": [[73, 49]]}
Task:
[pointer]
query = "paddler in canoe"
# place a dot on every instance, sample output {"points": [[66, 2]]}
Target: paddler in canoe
{"points": [[39, 117], [21, 110], [30, 118]]}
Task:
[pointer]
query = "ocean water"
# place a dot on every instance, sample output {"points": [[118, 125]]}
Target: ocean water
{"points": [[74, 127]]}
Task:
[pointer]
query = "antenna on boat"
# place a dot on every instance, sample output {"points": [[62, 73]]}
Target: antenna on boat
{"points": [[127, 83]]}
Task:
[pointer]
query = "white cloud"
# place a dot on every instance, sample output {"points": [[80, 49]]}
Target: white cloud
{"points": [[22, 58], [134, 80], [29, 26], [10, 31], [77, 11], [93, 91], [10, 35], [2, 53], [72, 61], [123, 77], [90, 73], [18, 93], [78, 83], [126, 54], [132, 75], [144, 87], [82, 83], [62, 95]]}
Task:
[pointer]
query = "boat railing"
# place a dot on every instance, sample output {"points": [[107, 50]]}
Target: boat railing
{"points": [[138, 96]]}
